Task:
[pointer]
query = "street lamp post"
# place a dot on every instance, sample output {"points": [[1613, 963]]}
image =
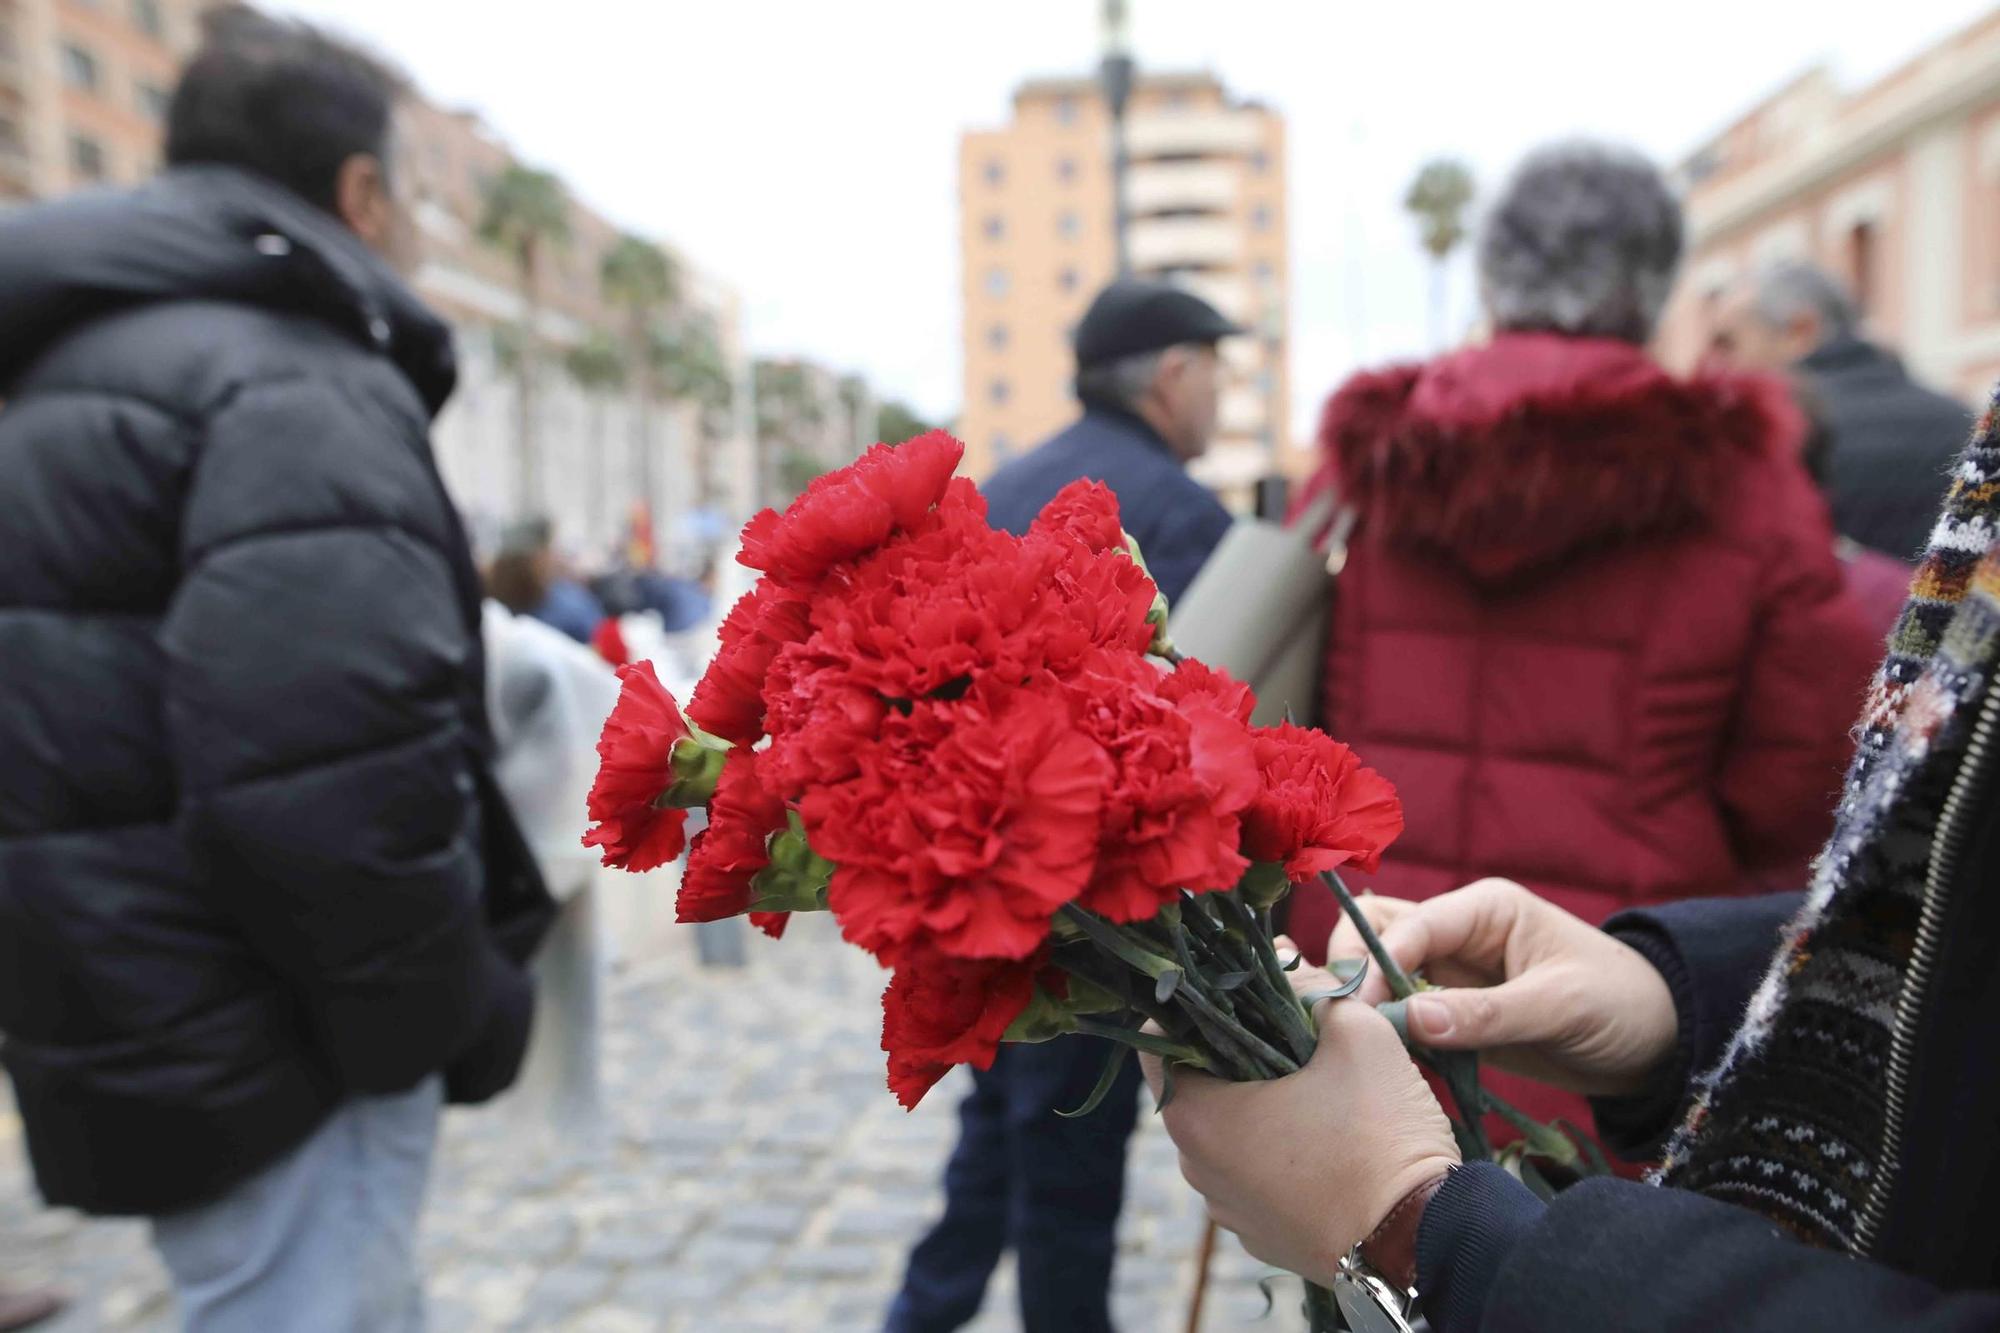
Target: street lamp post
{"points": [[1115, 76]]}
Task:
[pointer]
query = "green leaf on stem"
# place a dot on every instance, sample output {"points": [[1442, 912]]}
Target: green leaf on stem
{"points": [[1591, 1152], [1113, 1063], [1168, 983], [1230, 981], [797, 877], [1148, 1042], [1116, 942]]}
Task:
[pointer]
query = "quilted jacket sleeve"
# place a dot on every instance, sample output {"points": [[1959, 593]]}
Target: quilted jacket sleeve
{"points": [[317, 661]]}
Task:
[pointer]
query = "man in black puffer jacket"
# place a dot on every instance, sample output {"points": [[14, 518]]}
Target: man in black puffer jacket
{"points": [[261, 909]]}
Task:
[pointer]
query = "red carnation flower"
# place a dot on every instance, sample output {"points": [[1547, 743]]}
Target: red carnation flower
{"points": [[1196, 684], [728, 700], [1086, 511], [852, 510], [732, 849], [635, 753], [941, 1011], [967, 827], [1182, 773], [608, 639], [1318, 807]]}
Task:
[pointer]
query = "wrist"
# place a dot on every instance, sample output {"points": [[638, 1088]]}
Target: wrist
{"points": [[1390, 1249]]}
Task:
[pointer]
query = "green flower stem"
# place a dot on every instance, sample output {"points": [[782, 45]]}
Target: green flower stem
{"points": [[1146, 1042], [1267, 1059], [1230, 1040], [1400, 985], [1294, 1019]]}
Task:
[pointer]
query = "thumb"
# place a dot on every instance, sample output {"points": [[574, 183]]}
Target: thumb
{"points": [[1514, 1013]]}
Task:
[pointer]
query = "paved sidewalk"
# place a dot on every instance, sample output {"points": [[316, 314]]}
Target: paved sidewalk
{"points": [[760, 1178]]}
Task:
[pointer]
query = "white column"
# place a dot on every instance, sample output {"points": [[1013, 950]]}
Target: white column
{"points": [[1934, 255]]}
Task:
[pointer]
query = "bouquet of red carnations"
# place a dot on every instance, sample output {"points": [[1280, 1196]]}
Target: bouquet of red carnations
{"points": [[979, 753]]}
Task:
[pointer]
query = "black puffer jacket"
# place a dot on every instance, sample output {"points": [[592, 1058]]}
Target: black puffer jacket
{"points": [[251, 858]]}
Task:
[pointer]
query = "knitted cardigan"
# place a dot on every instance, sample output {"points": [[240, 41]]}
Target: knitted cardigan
{"points": [[1790, 1123]]}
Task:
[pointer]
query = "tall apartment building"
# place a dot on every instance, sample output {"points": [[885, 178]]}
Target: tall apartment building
{"points": [[1206, 197], [84, 86], [1896, 187], [83, 90]]}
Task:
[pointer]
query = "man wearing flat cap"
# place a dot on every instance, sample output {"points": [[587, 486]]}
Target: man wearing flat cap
{"points": [[1023, 1177]]}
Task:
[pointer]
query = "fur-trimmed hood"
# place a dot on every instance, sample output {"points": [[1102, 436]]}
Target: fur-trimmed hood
{"points": [[1512, 455]]}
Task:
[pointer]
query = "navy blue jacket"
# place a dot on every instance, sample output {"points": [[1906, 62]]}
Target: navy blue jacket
{"points": [[1177, 521], [1619, 1254]]}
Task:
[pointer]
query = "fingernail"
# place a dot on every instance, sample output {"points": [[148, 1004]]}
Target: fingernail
{"points": [[1430, 1017]]}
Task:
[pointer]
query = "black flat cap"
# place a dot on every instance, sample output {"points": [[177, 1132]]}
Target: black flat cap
{"points": [[1130, 317]]}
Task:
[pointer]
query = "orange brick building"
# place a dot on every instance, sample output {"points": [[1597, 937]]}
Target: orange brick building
{"points": [[1206, 193], [1896, 187]]}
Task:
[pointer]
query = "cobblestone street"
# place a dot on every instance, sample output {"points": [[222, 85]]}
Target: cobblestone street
{"points": [[759, 1178]]}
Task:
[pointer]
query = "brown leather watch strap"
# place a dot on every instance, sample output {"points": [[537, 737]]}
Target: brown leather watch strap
{"points": [[1391, 1249]]}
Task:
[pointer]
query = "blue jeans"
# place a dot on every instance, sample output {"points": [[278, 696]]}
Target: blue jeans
{"points": [[1024, 1177], [323, 1240]]}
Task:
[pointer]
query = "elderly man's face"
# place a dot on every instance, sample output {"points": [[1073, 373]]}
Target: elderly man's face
{"points": [[1741, 338]]}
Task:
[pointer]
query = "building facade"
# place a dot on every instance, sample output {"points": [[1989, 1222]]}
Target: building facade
{"points": [[1895, 187], [1205, 194], [83, 90], [84, 87]]}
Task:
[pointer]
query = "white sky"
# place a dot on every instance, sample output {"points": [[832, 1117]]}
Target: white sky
{"points": [[806, 150]]}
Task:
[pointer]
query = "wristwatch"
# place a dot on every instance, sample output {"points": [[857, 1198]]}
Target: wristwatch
{"points": [[1376, 1288]]}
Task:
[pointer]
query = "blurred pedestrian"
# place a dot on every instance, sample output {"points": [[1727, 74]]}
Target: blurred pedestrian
{"points": [[263, 911], [548, 698], [528, 578], [1023, 1177], [1591, 623], [1893, 439], [1878, 582]]}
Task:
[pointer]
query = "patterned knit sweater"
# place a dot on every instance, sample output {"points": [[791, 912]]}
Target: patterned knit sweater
{"points": [[1791, 1122]]}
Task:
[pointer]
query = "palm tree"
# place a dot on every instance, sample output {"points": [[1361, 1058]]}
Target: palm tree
{"points": [[895, 423], [689, 366], [597, 364], [1438, 198], [638, 277], [526, 214]]}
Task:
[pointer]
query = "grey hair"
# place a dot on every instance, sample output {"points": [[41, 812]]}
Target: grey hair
{"points": [[1584, 240], [1787, 289], [1121, 383]]}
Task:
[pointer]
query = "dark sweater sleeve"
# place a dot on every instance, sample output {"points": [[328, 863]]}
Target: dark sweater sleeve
{"points": [[1712, 952], [1617, 1254]]}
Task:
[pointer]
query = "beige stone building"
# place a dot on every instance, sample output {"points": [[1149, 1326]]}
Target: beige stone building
{"points": [[1896, 187], [1206, 195], [83, 90], [84, 86]]}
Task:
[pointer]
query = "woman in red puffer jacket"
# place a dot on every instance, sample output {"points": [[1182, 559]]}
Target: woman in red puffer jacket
{"points": [[1591, 622]]}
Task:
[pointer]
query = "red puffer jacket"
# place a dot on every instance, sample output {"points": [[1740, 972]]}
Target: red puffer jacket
{"points": [[1591, 625]]}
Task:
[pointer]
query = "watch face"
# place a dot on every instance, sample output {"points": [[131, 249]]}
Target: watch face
{"points": [[1367, 1305]]}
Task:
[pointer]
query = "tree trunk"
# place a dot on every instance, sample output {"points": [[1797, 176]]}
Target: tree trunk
{"points": [[600, 476], [527, 465], [1438, 292]]}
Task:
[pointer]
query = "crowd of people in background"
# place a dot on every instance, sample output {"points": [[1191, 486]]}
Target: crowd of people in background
{"points": [[293, 777]]}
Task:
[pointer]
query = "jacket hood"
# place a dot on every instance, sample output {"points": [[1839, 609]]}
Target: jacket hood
{"points": [[1507, 457], [206, 233]]}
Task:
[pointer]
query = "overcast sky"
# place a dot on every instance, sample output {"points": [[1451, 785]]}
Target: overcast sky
{"points": [[806, 149]]}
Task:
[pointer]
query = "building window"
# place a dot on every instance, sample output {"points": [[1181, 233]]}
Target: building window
{"points": [[79, 68], [996, 226], [996, 337], [1260, 217], [1003, 448], [1264, 271], [153, 101], [996, 281], [146, 17], [996, 171], [1066, 170], [86, 157], [998, 392], [1260, 161], [1069, 279], [1179, 101], [1861, 264], [1069, 226], [1066, 111]]}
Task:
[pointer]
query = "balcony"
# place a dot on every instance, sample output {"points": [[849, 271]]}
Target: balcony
{"points": [[1180, 187], [1192, 134], [1185, 243], [1242, 412]]}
